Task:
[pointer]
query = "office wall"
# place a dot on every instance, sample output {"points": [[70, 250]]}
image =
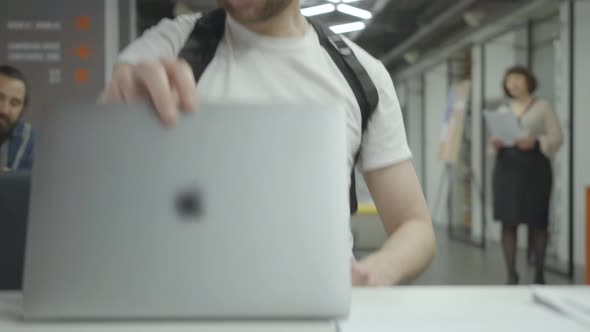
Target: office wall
{"points": [[436, 95], [546, 37], [127, 22], [402, 96], [400, 89], [503, 52], [414, 116], [477, 126], [550, 62], [581, 122], [112, 35]]}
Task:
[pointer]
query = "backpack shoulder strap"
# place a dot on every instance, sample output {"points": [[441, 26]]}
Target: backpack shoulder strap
{"points": [[355, 73], [359, 80], [203, 41]]}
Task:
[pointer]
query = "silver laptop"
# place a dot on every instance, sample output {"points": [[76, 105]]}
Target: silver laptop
{"points": [[241, 211]]}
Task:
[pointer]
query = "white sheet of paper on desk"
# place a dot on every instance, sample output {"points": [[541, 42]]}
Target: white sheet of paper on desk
{"points": [[576, 306], [423, 313], [503, 125]]}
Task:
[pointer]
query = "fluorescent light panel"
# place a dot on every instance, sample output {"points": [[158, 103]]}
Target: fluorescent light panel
{"points": [[318, 10], [350, 10], [348, 27], [345, 1]]}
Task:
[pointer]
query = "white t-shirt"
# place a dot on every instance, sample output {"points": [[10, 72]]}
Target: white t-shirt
{"points": [[252, 68]]}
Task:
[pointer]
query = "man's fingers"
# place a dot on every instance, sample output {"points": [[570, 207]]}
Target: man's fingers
{"points": [[129, 88], [183, 82], [360, 276], [155, 79], [359, 281], [167, 83], [111, 94]]}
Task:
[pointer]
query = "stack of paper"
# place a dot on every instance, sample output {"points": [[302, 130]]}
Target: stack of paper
{"points": [[504, 126]]}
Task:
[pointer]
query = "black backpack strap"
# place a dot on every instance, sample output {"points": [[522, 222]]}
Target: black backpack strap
{"points": [[359, 80], [201, 46], [356, 75]]}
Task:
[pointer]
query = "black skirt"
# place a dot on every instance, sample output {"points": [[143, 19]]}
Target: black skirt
{"points": [[522, 185]]}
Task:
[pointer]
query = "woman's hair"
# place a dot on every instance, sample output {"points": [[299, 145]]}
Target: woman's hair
{"points": [[531, 80]]}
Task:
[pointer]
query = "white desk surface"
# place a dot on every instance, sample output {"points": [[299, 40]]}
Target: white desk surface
{"points": [[454, 309]]}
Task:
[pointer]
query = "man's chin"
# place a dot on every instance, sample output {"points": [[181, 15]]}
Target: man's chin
{"points": [[247, 16], [253, 11], [240, 10], [240, 5]]}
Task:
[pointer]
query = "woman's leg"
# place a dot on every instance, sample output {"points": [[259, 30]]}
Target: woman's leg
{"points": [[509, 246], [540, 241]]}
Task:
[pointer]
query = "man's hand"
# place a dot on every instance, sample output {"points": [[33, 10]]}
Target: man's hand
{"points": [[526, 144], [362, 276], [167, 83], [497, 143]]}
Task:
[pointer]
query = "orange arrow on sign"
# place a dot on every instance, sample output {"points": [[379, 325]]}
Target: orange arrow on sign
{"points": [[82, 75], [83, 52], [82, 23]]}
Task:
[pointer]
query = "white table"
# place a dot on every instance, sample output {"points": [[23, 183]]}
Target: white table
{"points": [[454, 309]]}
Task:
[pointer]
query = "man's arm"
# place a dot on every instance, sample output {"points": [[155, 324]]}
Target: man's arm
{"points": [[165, 40], [410, 246]]}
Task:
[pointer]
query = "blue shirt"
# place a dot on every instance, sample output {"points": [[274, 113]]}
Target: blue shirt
{"points": [[16, 153]]}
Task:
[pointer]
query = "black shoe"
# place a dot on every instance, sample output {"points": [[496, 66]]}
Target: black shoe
{"points": [[513, 279], [540, 279]]}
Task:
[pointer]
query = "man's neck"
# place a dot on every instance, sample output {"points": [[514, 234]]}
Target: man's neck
{"points": [[289, 23]]}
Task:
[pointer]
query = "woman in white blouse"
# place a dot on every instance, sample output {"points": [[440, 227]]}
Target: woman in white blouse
{"points": [[523, 177]]}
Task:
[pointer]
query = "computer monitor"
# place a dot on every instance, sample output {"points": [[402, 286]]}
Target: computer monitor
{"points": [[14, 207]]}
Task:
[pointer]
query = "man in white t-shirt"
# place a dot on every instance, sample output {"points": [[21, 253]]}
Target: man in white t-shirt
{"points": [[270, 52]]}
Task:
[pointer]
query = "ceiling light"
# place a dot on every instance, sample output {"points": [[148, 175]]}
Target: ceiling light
{"points": [[348, 1], [334, 1], [350, 10], [182, 8], [474, 18], [411, 57], [318, 10], [348, 27]]}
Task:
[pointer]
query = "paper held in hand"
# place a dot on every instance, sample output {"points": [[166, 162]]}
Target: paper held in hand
{"points": [[504, 126]]}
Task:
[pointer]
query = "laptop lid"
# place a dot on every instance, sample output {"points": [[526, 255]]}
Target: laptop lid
{"points": [[241, 211]]}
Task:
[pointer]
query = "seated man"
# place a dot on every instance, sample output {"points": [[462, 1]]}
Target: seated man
{"points": [[16, 136], [269, 52]]}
